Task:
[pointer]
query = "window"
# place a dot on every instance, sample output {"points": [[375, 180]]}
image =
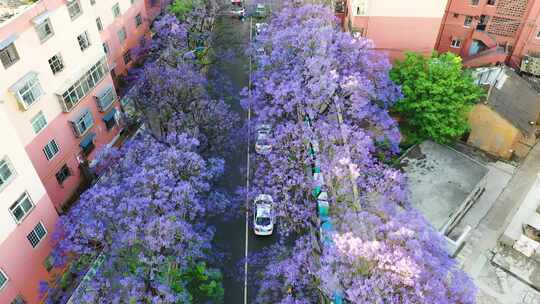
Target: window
{"points": [[105, 47], [71, 97], [36, 235], [44, 30], [127, 57], [74, 9], [27, 90], [92, 2], [99, 24], [9, 55], [87, 144], [38, 122], [3, 279], [361, 7], [22, 207], [456, 43], [6, 172], [116, 10], [84, 41], [63, 174], [490, 2], [122, 35], [110, 119], [538, 35], [132, 1], [18, 300], [83, 123], [106, 98], [56, 63], [474, 2], [468, 21], [138, 20], [51, 149]]}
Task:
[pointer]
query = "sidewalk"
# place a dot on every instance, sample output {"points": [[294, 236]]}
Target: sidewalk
{"points": [[497, 285]]}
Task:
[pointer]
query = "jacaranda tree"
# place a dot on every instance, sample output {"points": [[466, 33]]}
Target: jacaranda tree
{"points": [[323, 90], [145, 216]]}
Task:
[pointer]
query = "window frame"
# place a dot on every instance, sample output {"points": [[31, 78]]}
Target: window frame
{"points": [[452, 45], [468, 21], [61, 173], [31, 87], [99, 24], [474, 2], [70, 5], [5, 182], [73, 95], [85, 119], [40, 238], [86, 40], [18, 204], [35, 119], [138, 20], [44, 24], [19, 299], [126, 57], [116, 12], [48, 145], [9, 52], [491, 2], [6, 278], [124, 34], [57, 65]]}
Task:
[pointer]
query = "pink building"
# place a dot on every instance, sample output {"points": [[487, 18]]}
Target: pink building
{"points": [[27, 219], [486, 32], [58, 107], [396, 26]]}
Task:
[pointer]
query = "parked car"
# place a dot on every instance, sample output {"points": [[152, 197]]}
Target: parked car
{"points": [[236, 2], [262, 143], [260, 11], [259, 27], [263, 215], [238, 12]]}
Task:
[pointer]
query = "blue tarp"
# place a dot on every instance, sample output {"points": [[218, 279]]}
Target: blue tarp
{"points": [[87, 140]]}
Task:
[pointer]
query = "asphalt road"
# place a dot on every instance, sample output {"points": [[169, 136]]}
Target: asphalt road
{"points": [[231, 38]]}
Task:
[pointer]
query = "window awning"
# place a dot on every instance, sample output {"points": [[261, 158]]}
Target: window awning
{"points": [[21, 82], [10, 39], [109, 116], [41, 18], [87, 140]]}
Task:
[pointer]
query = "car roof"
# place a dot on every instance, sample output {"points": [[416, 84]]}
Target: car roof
{"points": [[263, 210]]}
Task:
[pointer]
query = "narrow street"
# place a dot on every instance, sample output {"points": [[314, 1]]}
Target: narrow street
{"points": [[230, 41]]}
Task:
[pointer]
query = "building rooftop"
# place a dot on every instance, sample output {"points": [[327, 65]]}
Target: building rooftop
{"points": [[11, 8], [517, 100], [440, 179]]}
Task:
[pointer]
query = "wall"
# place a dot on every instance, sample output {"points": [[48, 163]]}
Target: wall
{"points": [[76, 62], [492, 133], [22, 264], [398, 26]]}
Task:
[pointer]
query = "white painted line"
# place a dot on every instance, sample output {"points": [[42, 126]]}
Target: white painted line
{"points": [[246, 252]]}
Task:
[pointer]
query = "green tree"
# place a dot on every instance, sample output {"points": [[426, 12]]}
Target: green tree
{"points": [[438, 95], [204, 285], [181, 8]]}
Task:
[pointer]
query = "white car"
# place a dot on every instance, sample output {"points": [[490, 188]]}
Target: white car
{"points": [[263, 217], [259, 27], [240, 12], [262, 143]]}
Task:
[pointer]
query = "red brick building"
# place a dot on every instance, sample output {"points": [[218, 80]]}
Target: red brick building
{"points": [[485, 32]]}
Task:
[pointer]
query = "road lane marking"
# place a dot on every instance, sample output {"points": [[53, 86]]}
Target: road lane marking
{"points": [[248, 171]]}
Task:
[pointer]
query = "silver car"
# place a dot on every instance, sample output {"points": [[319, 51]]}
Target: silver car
{"points": [[263, 215], [262, 143]]}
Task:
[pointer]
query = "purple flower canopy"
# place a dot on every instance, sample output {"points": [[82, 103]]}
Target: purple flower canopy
{"points": [[384, 251]]}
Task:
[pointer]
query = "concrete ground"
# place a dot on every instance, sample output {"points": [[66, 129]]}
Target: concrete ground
{"points": [[499, 283]]}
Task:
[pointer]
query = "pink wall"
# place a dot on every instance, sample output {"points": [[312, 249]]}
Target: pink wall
{"points": [[134, 35], [60, 129], [394, 35], [22, 263]]}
